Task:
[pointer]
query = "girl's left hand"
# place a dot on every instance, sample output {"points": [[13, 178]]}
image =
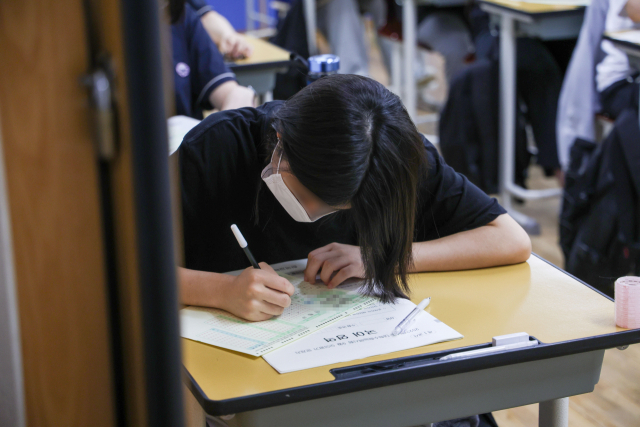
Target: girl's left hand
{"points": [[335, 263]]}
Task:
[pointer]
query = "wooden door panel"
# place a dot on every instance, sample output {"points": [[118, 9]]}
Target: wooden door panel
{"points": [[55, 210]]}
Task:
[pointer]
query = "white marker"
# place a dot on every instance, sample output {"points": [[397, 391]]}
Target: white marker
{"points": [[490, 350], [402, 325], [243, 244]]}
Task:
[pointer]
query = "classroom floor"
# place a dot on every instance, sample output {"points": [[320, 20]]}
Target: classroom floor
{"points": [[615, 402]]}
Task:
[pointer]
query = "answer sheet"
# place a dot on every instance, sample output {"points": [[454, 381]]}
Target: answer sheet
{"points": [[313, 307], [363, 334]]}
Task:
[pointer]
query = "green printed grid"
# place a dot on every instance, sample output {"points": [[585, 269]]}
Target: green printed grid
{"points": [[277, 335], [295, 328]]}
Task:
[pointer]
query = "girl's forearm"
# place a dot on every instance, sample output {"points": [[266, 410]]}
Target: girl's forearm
{"points": [[501, 242], [202, 288]]}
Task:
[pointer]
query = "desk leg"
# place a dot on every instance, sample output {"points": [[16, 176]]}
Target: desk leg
{"points": [[554, 413], [507, 106], [249, 14], [194, 416], [409, 44], [508, 121], [310, 22]]}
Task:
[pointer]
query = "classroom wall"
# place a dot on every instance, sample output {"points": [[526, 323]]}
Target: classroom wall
{"points": [[236, 11]]}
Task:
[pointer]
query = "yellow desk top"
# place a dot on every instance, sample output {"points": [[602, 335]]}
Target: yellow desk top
{"points": [[532, 8], [631, 37], [263, 53], [532, 297]]}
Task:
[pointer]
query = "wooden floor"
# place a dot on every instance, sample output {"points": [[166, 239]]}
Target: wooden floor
{"points": [[615, 402]]}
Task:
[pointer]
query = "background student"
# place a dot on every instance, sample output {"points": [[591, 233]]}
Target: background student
{"points": [[617, 83], [202, 80], [345, 148], [228, 41]]}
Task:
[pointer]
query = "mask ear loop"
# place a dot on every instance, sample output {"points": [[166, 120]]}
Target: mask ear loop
{"points": [[279, 160]]}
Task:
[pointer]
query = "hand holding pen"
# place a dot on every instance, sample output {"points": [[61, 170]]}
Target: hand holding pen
{"points": [[258, 293], [244, 245]]}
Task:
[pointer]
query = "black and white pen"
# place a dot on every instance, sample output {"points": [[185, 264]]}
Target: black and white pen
{"points": [[243, 244]]}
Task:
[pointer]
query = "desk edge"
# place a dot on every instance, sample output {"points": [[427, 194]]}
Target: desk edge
{"points": [[258, 66], [534, 15], [622, 43]]}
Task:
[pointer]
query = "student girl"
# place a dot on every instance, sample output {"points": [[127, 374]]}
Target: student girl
{"points": [[617, 83], [338, 174]]}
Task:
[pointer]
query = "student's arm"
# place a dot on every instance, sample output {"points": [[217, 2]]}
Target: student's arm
{"points": [[253, 295], [501, 242], [230, 95], [213, 84], [225, 36], [633, 10]]}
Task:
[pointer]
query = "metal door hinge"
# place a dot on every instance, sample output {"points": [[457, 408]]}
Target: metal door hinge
{"points": [[100, 87]]}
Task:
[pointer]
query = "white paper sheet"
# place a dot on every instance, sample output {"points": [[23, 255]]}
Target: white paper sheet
{"points": [[178, 127], [312, 308], [363, 334]]}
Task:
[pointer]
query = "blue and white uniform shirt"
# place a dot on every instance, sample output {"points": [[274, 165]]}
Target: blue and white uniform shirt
{"points": [[199, 66]]}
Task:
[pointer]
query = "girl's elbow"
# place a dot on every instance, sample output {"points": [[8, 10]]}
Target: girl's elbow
{"points": [[521, 248], [517, 245], [526, 250]]}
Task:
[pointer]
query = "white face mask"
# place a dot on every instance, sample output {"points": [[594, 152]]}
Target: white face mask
{"points": [[284, 196]]}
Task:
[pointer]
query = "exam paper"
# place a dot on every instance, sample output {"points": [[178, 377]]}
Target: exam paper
{"points": [[363, 334], [313, 307]]}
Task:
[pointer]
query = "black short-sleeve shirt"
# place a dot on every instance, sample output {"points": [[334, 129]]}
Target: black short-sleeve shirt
{"points": [[220, 164]]}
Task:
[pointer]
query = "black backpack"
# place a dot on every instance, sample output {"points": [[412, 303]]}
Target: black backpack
{"points": [[600, 218]]}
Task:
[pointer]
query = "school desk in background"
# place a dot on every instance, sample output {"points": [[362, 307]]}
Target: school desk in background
{"points": [[546, 20], [259, 70]]}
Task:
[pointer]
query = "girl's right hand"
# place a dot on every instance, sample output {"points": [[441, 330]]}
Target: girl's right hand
{"points": [[258, 294]]}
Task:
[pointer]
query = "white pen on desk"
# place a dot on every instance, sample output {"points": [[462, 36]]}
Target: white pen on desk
{"points": [[403, 324], [490, 350]]}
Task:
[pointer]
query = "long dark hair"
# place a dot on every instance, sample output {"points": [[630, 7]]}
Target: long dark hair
{"points": [[349, 140]]}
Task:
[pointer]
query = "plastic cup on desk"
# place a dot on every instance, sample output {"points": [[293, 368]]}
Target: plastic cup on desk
{"points": [[627, 302]]}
